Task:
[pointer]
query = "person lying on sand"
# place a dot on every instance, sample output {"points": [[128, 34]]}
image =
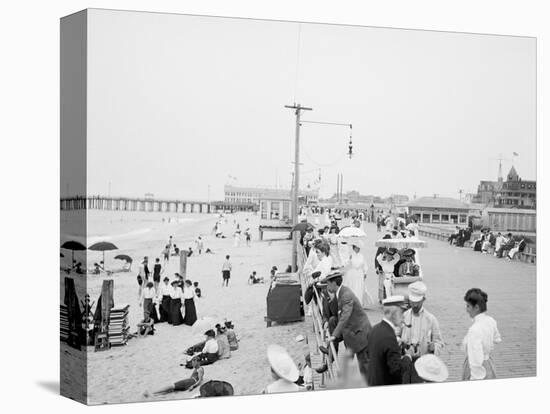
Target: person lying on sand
{"points": [[187, 384]]}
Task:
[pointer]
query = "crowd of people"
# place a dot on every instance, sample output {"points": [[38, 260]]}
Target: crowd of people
{"points": [[404, 347], [501, 245]]}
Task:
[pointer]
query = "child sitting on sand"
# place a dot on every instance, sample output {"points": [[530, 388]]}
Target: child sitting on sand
{"points": [[253, 279], [231, 336], [146, 327]]}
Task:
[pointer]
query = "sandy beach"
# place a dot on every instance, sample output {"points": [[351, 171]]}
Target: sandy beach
{"points": [[122, 374]]}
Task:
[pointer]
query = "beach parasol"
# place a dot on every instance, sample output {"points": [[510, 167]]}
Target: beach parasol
{"points": [[302, 227], [73, 245], [124, 257], [204, 324], [408, 243], [103, 247], [351, 231]]}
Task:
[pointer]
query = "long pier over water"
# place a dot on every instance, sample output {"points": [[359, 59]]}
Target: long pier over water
{"points": [[149, 205]]}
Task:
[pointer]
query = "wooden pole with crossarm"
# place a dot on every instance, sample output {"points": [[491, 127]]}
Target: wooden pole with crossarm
{"points": [[295, 194]]}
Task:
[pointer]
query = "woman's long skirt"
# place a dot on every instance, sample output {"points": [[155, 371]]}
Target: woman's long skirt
{"points": [[150, 310], [190, 312], [175, 312], [488, 364], [165, 308]]}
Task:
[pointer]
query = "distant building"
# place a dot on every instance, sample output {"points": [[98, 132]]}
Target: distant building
{"points": [[516, 193], [354, 197], [439, 210], [510, 219], [512, 193], [397, 199], [253, 195]]}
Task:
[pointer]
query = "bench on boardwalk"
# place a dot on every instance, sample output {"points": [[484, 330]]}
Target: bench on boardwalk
{"points": [[529, 254]]}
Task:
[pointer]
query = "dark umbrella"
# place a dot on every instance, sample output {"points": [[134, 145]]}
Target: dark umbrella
{"points": [[73, 245], [103, 247], [302, 227], [126, 258]]}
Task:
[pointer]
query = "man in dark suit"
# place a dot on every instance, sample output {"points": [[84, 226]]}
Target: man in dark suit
{"points": [[386, 364], [353, 324]]}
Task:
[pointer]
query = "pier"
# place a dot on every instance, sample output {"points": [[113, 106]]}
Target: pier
{"points": [[151, 205]]}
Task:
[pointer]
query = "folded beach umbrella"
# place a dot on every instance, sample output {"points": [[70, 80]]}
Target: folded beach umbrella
{"points": [[73, 245], [103, 247]]}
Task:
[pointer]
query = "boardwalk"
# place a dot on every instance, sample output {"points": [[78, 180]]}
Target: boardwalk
{"points": [[449, 272]]}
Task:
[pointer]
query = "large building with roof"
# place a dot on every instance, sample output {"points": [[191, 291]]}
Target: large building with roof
{"points": [[512, 193], [517, 193], [235, 194], [439, 210]]}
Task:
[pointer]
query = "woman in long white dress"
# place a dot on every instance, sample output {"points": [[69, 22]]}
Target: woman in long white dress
{"points": [[356, 273], [480, 339], [334, 248]]}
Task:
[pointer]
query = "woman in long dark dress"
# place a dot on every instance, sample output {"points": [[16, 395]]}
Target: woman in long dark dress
{"points": [[164, 294], [175, 304], [149, 296], [189, 303]]}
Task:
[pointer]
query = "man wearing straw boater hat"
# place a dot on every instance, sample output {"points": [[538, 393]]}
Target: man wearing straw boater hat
{"points": [[386, 364], [353, 324], [283, 370], [421, 329], [429, 368]]}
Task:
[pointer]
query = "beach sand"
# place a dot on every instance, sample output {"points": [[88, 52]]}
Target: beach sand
{"points": [[122, 374]]}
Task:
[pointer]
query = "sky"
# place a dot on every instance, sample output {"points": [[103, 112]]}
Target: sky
{"points": [[177, 104]]}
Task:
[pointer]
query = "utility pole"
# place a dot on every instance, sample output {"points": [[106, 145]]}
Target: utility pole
{"points": [[298, 111]]}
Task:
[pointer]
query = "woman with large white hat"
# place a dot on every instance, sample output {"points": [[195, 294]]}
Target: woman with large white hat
{"points": [[355, 273], [283, 370]]}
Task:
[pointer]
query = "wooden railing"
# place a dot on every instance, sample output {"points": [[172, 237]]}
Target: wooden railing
{"points": [[529, 254], [320, 333]]}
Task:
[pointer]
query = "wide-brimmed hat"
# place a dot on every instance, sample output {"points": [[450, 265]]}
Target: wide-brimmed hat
{"points": [[431, 368], [408, 253], [282, 363], [396, 300], [166, 279], [417, 291], [333, 274]]}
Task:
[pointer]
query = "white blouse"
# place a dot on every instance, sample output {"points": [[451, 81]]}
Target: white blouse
{"points": [[388, 266], [149, 293], [324, 267], [479, 343], [210, 347], [165, 290], [176, 293], [188, 293]]}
